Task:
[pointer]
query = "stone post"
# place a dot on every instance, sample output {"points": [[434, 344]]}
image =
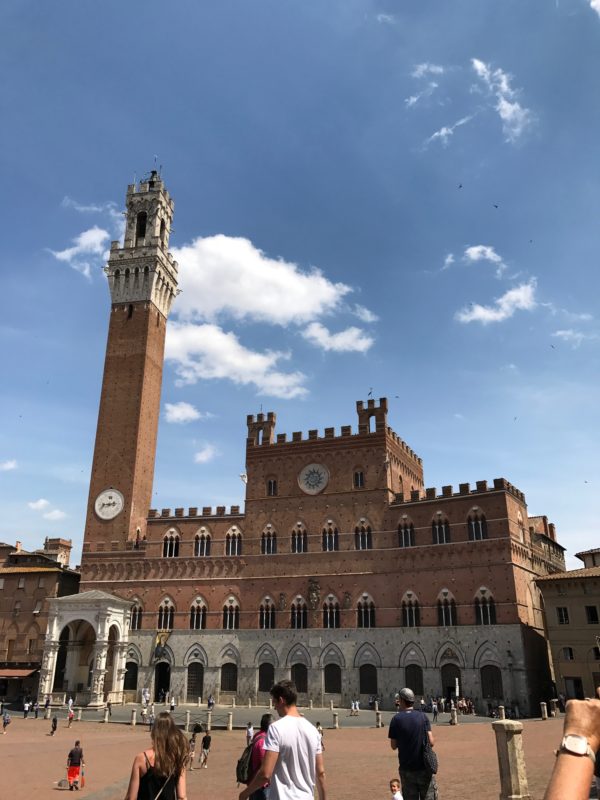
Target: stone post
{"points": [[199, 702], [501, 712], [249, 702], [105, 715], [336, 722], [230, 720], [78, 715], [310, 703], [233, 702], [133, 717], [331, 705], [544, 709], [511, 760], [378, 722], [376, 706], [187, 720], [47, 713], [270, 703], [208, 721], [553, 704]]}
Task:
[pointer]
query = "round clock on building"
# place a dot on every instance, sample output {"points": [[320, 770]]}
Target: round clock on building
{"points": [[109, 504], [313, 478]]}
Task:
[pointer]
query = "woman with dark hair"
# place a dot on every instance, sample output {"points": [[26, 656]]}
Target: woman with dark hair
{"points": [[258, 753], [159, 772]]}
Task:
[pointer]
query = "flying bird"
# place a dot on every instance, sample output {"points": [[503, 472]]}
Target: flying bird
{"points": [[460, 186], [370, 392], [495, 205], [553, 347]]}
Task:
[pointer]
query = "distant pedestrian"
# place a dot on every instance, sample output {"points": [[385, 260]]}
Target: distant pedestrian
{"points": [[206, 740], [172, 703], [192, 750], [74, 765], [54, 725], [151, 719], [5, 721], [70, 717], [47, 703], [36, 708], [143, 713], [109, 708], [70, 702], [434, 708], [25, 709], [249, 733]]}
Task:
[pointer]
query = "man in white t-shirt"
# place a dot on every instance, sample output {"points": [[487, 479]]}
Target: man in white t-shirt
{"points": [[293, 760]]}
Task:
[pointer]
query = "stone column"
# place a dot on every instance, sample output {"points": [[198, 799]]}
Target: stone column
{"points": [[187, 720], [336, 723], [553, 704], [378, 722], [119, 670], [48, 667], [98, 673], [208, 721], [544, 710], [105, 715], [133, 717], [501, 712], [511, 760], [230, 720]]}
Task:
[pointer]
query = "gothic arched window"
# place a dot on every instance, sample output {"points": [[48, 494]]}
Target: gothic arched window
{"points": [[330, 539], [485, 608], [272, 487], [202, 544], [299, 540], [440, 531], [362, 537], [411, 613], [136, 617], [477, 526], [198, 615], [299, 614], [365, 613], [406, 535], [233, 544], [268, 543], [171, 545], [166, 616], [266, 614], [446, 612], [331, 614], [231, 616]]}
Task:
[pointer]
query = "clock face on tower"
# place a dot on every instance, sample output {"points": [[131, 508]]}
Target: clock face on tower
{"points": [[313, 478], [109, 504]]}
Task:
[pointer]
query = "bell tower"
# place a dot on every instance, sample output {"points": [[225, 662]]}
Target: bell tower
{"points": [[142, 278]]}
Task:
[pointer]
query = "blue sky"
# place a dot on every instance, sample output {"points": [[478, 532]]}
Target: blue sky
{"points": [[397, 196]]}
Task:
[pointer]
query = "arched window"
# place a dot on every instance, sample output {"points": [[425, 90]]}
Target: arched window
{"points": [[413, 677], [333, 679], [131, 676], [440, 531], [266, 615], [331, 614], [299, 675], [446, 612], [268, 542], [136, 617], [229, 677], [365, 613], [163, 229], [367, 679], [231, 616], [166, 616], [359, 479], [485, 608], [198, 614], [233, 544], [202, 544], [411, 614], [477, 526], [299, 614], [491, 682], [330, 539], [299, 539], [362, 537], [171, 545], [266, 677], [195, 681], [406, 535], [272, 487], [140, 226]]}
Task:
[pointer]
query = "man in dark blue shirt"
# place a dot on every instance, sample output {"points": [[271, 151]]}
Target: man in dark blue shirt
{"points": [[407, 733]]}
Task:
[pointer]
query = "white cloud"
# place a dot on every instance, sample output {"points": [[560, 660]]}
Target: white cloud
{"points": [[54, 515], [91, 242], [208, 352], [228, 275], [110, 208], [427, 92], [183, 412], [205, 454], [388, 19], [365, 314], [8, 465], [515, 117], [521, 298], [39, 505], [573, 337], [420, 70], [350, 340], [483, 252], [595, 5], [448, 261], [446, 132]]}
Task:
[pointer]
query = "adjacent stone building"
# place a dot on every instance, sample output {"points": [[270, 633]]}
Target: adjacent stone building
{"points": [[27, 581], [572, 604], [342, 570]]}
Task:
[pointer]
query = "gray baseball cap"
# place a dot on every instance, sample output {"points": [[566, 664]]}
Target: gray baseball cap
{"points": [[407, 694]]}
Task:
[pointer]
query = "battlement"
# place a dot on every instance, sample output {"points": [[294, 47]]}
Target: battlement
{"points": [[464, 489], [193, 512], [153, 183]]}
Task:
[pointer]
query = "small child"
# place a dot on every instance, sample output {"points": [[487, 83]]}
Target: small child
{"points": [[395, 789]]}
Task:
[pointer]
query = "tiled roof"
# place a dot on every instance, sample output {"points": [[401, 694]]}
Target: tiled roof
{"points": [[57, 568], [588, 552], [590, 572]]}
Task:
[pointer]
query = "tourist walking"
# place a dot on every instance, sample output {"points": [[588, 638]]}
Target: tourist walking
{"points": [[205, 746], [25, 709], [36, 708], [5, 721], [70, 717], [74, 766], [161, 770], [192, 750], [109, 708], [434, 708], [293, 761], [258, 754], [407, 733], [172, 704], [53, 725]]}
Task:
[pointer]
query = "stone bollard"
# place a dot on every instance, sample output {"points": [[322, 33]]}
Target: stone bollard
{"points": [[336, 722], [233, 702], [187, 721], [208, 721], [511, 760], [106, 715], [501, 712], [47, 713], [376, 706], [249, 702], [270, 703], [199, 702], [553, 709], [230, 720], [133, 717], [310, 703], [544, 709], [78, 715], [453, 717], [378, 722], [331, 705]]}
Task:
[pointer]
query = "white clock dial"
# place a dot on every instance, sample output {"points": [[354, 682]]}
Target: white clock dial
{"points": [[109, 503], [313, 478]]}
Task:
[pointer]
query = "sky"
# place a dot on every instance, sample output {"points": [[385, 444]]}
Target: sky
{"points": [[394, 199]]}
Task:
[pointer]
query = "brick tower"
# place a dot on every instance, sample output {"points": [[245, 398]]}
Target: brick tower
{"points": [[142, 277]]}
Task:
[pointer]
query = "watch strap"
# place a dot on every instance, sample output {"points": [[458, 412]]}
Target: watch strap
{"points": [[588, 752]]}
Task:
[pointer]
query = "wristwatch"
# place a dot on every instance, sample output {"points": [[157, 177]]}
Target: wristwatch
{"points": [[576, 745]]}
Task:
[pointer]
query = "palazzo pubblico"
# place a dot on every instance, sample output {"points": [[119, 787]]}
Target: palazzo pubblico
{"points": [[342, 570]]}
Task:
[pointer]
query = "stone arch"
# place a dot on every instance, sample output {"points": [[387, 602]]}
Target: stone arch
{"points": [[332, 655], [229, 653], [298, 654], [195, 654], [167, 655], [266, 655], [134, 654], [367, 654], [486, 653], [412, 653], [449, 653]]}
